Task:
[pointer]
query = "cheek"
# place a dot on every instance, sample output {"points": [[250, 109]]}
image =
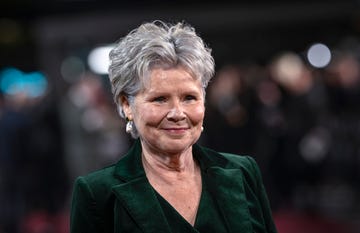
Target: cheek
{"points": [[150, 115], [197, 114]]}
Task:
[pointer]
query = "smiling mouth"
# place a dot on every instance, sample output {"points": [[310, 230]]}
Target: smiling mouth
{"points": [[176, 130]]}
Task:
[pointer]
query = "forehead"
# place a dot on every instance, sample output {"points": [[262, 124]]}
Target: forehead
{"points": [[178, 77]]}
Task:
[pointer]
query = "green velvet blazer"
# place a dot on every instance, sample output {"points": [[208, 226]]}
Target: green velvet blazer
{"points": [[119, 198]]}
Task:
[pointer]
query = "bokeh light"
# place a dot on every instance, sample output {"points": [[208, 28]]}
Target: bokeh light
{"points": [[319, 55], [13, 81], [98, 59], [287, 68]]}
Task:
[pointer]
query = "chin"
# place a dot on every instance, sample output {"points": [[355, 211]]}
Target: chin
{"points": [[178, 146]]}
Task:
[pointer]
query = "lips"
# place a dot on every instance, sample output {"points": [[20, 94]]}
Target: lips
{"points": [[176, 130]]}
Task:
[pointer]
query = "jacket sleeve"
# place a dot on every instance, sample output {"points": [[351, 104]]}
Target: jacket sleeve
{"points": [[263, 199], [84, 215]]}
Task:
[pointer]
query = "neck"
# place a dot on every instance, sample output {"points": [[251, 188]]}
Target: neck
{"points": [[169, 167]]}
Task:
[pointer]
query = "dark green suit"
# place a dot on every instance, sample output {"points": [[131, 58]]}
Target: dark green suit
{"points": [[119, 198]]}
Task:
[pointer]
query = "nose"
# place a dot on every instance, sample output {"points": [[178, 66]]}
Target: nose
{"points": [[176, 113]]}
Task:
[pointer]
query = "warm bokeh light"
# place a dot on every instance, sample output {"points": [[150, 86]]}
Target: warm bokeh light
{"points": [[287, 69]]}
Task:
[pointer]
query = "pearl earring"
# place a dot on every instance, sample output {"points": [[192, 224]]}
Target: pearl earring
{"points": [[129, 126]]}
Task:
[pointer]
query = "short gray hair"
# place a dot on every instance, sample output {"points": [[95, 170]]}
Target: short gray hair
{"points": [[161, 45]]}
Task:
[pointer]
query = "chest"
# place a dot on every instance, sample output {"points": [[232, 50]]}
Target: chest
{"points": [[184, 197]]}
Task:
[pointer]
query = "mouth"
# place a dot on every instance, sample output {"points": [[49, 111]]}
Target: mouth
{"points": [[176, 130]]}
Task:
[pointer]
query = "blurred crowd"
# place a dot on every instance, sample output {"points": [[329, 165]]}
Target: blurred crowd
{"points": [[303, 127], [301, 124], [45, 143]]}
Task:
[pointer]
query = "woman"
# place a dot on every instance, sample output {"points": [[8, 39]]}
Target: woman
{"points": [[166, 182]]}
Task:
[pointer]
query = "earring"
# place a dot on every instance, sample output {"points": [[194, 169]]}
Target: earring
{"points": [[129, 126], [202, 128]]}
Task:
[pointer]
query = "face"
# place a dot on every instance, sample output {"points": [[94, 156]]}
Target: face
{"points": [[169, 112]]}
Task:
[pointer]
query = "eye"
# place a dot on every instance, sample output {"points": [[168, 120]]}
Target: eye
{"points": [[190, 97], [159, 99]]}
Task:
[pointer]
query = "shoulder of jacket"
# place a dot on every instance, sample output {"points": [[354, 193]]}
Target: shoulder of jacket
{"points": [[246, 164], [102, 179], [230, 160], [239, 160]]}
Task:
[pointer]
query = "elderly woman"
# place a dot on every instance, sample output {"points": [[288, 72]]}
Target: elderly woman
{"points": [[166, 182]]}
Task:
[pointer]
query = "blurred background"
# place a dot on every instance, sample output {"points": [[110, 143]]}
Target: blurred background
{"points": [[286, 91]]}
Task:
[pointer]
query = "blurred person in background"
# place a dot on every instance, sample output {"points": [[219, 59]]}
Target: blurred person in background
{"points": [[298, 111], [230, 106], [93, 135], [313, 166], [167, 182], [13, 124], [32, 173]]}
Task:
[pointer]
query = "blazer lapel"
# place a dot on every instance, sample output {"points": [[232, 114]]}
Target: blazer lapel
{"points": [[137, 195], [230, 197], [226, 185], [140, 200]]}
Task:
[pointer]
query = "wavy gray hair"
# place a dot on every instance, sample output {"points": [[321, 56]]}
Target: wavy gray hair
{"points": [[161, 45]]}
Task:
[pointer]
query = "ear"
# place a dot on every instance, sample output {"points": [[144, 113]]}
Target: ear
{"points": [[126, 106]]}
